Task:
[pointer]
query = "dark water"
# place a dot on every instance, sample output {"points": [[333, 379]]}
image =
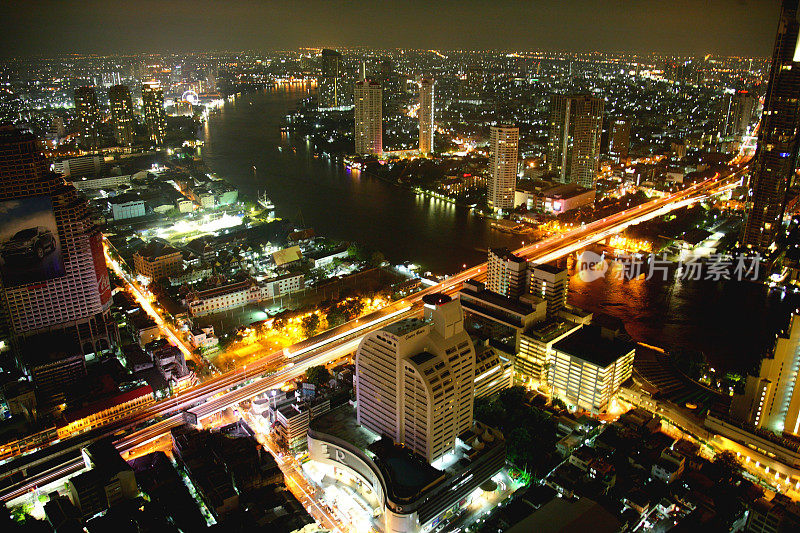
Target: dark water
{"points": [[731, 322], [344, 205]]}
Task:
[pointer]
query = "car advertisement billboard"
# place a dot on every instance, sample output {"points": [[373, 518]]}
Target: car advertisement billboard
{"points": [[30, 250]]}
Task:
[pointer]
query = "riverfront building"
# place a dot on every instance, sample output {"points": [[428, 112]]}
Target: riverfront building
{"points": [[503, 161]]}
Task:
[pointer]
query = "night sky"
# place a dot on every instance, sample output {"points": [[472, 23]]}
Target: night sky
{"points": [[727, 27]]}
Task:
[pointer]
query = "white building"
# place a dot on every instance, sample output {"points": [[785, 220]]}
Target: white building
{"points": [[415, 379], [589, 366], [506, 273], [368, 98], [125, 207], [550, 283], [426, 116], [504, 146]]}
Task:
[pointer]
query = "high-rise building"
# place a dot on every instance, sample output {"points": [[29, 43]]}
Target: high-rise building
{"points": [[330, 79], [153, 110], [576, 124], [415, 379], [119, 97], [368, 118], [772, 399], [55, 279], [619, 138], [504, 146], [506, 273], [88, 116], [777, 136], [550, 283], [737, 114], [425, 115]]}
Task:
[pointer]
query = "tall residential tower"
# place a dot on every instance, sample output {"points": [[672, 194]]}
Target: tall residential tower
{"points": [[330, 79], [368, 118], [119, 97], [153, 109], [425, 115], [89, 117], [504, 146], [576, 124]]}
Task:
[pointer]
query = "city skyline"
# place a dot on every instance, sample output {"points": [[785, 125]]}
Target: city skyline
{"points": [[744, 27]]}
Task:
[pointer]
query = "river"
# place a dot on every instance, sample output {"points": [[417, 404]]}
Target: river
{"points": [[733, 323]]}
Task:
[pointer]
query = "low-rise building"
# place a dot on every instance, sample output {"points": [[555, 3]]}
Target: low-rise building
{"points": [[669, 466], [493, 371], [109, 480], [283, 284], [222, 298], [105, 411], [536, 349], [157, 260], [126, 206]]}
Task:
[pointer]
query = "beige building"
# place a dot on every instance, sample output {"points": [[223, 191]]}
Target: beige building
{"points": [[368, 100], [506, 273], [415, 379], [157, 260], [504, 147]]}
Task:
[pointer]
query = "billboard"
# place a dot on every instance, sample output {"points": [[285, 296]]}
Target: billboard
{"points": [[30, 250], [100, 269]]}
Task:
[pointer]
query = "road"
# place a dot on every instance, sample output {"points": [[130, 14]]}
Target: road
{"points": [[233, 387]]}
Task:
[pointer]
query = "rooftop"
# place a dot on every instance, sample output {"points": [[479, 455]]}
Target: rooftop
{"points": [[589, 344], [342, 424], [404, 326], [506, 254]]}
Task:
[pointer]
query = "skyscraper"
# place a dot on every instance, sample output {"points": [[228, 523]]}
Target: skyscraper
{"points": [[89, 117], [119, 97], [576, 124], [330, 79], [60, 284], [368, 118], [425, 115], [504, 145], [153, 109], [619, 138], [415, 379], [777, 136]]}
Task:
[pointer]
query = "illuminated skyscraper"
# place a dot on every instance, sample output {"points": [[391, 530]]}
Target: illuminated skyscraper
{"points": [[504, 145], [89, 117], [330, 80], [576, 124], [153, 109], [425, 115], [619, 138], [119, 97], [54, 276], [368, 118], [415, 379], [777, 136]]}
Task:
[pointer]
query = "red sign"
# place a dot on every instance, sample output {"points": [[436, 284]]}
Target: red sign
{"points": [[100, 269]]}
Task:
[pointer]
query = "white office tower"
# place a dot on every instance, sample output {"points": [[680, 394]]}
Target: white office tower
{"points": [[425, 115], [504, 145], [550, 283], [415, 379], [772, 399], [368, 98], [506, 273]]}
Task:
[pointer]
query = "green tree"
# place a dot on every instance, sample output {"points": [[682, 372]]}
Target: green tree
{"points": [[310, 324], [318, 376]]}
